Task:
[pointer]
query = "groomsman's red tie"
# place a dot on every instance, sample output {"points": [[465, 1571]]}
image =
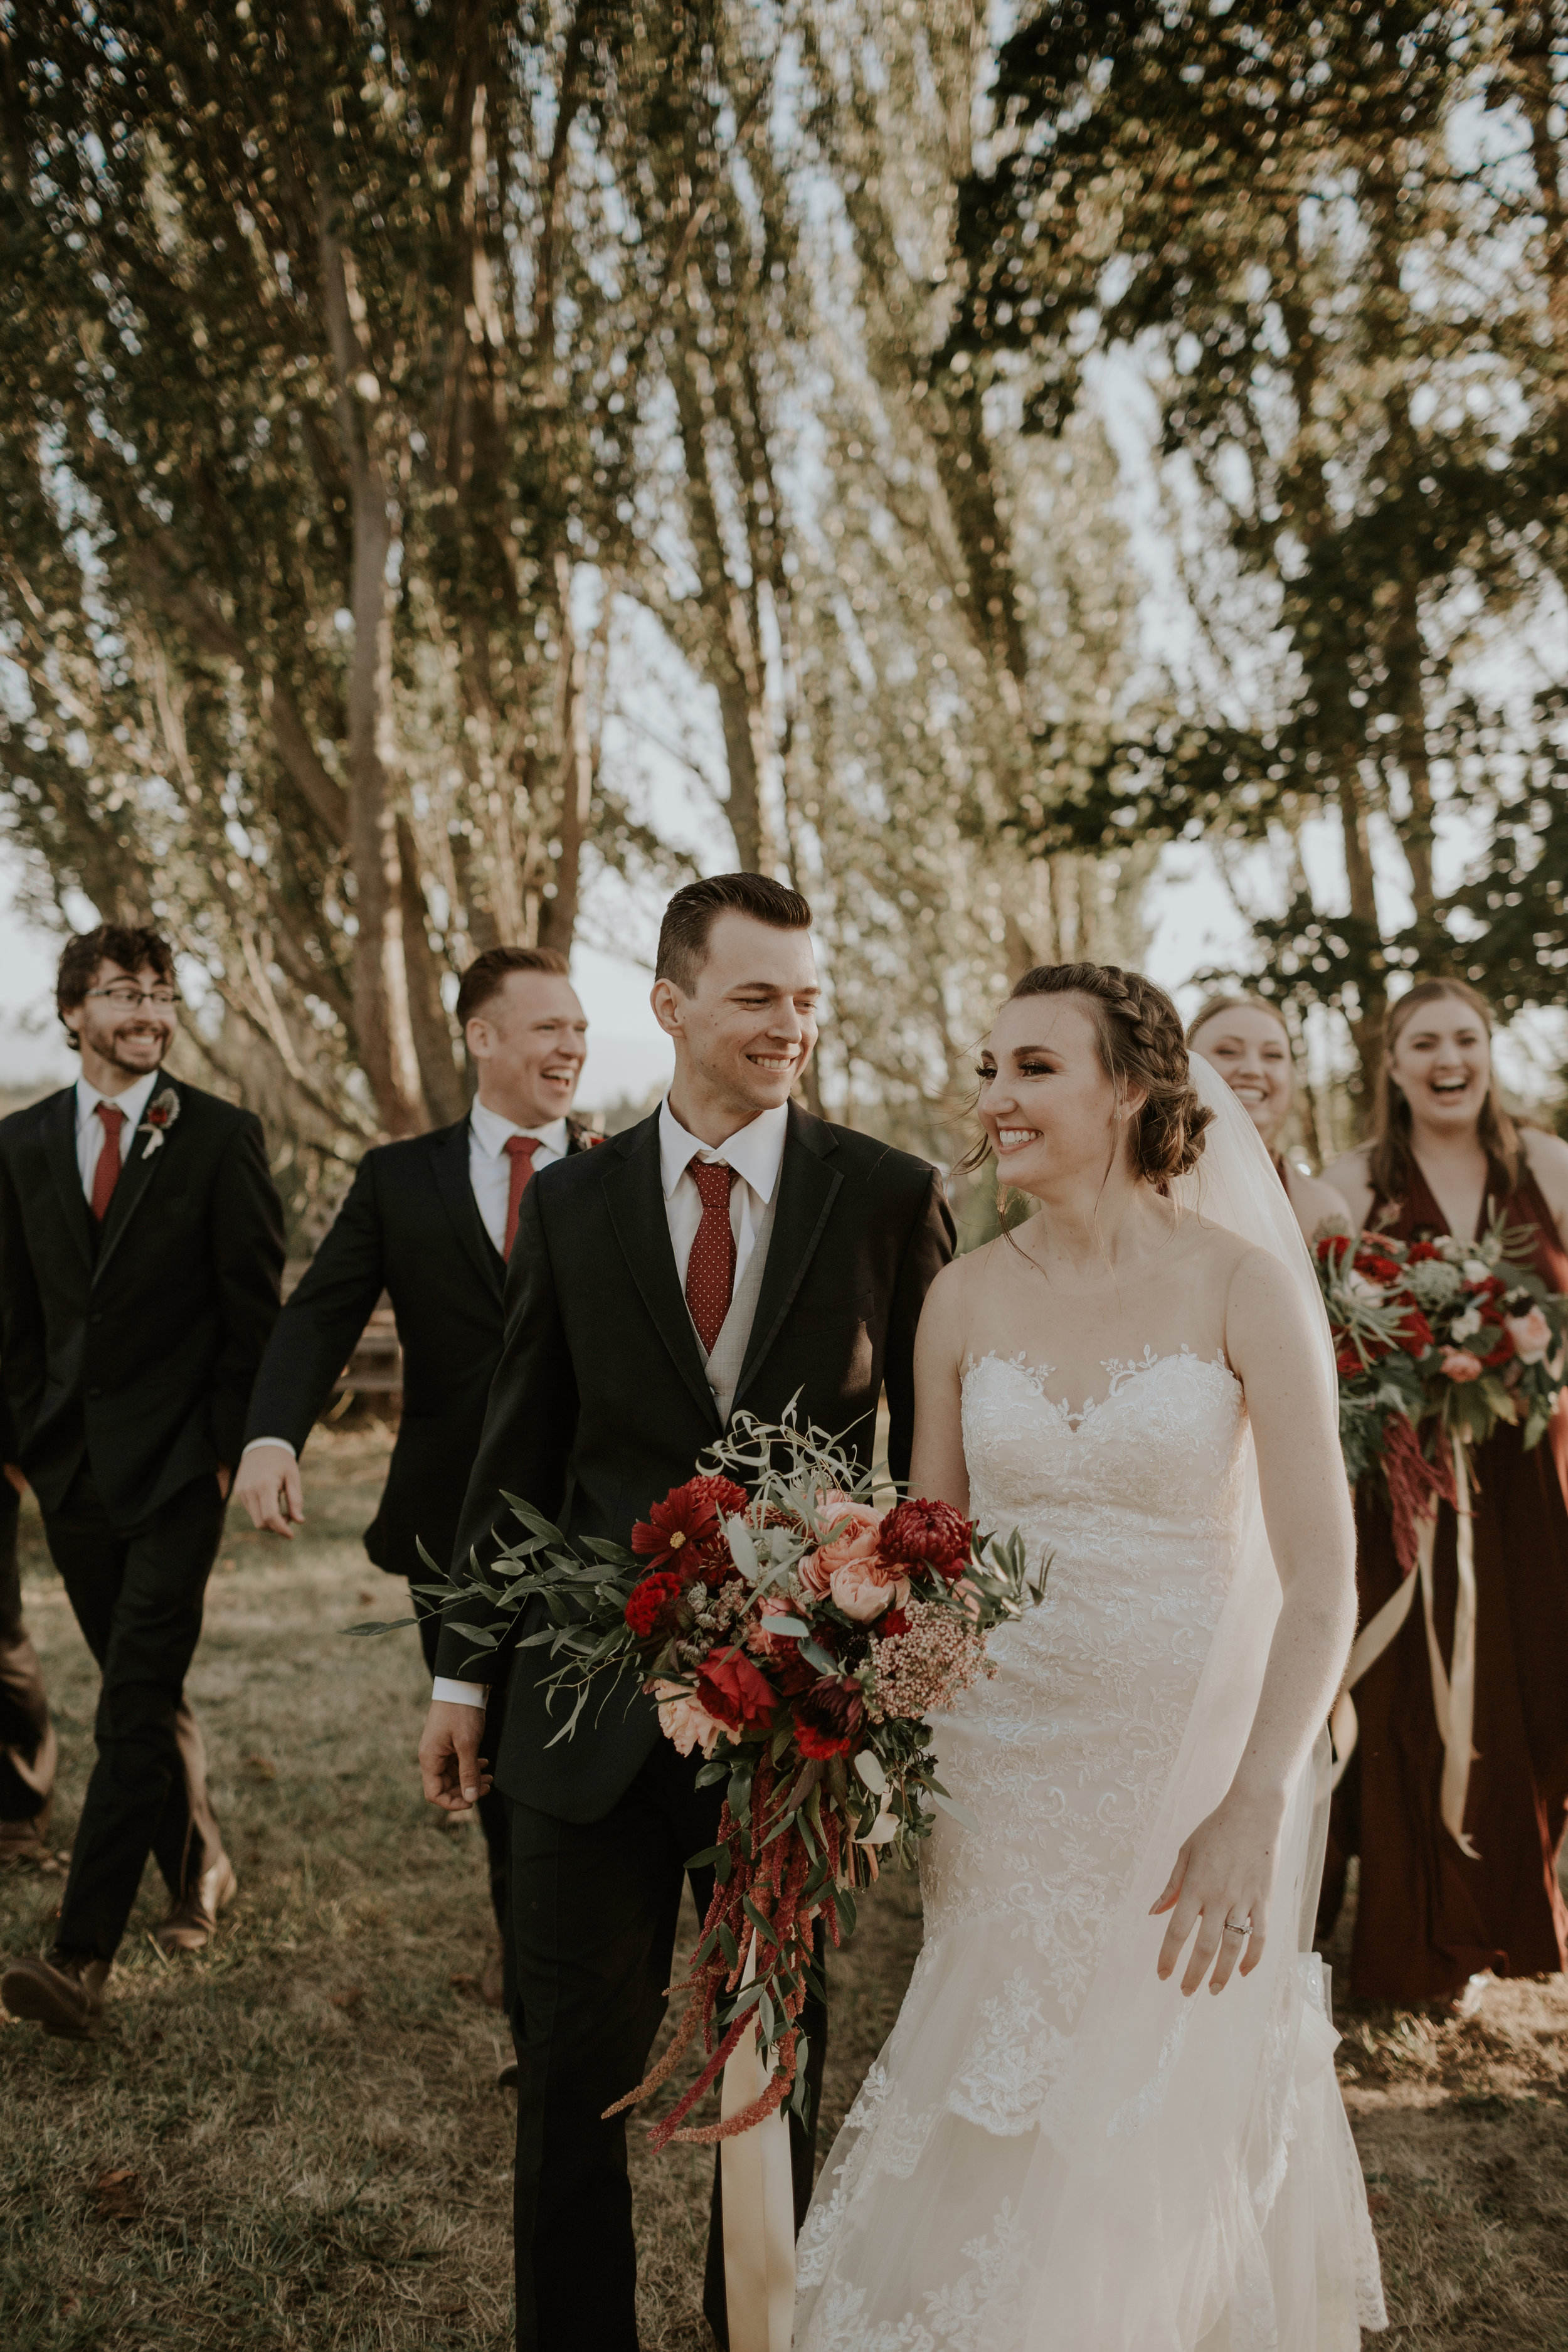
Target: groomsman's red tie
{"points": [[520, 1150], [106, 1175], [710, 1268]]}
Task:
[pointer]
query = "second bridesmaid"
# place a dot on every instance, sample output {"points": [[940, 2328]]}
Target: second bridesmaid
{"points": [[1248, 1042]]}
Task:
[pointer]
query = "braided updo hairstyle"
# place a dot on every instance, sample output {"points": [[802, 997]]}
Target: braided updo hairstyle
{"points": [[1142, 1043]]}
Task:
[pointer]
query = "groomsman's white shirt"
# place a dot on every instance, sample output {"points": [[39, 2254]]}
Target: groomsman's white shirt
{"points": [[490, 1173], [90, 1129], [490, 1169], [756, 1155]]}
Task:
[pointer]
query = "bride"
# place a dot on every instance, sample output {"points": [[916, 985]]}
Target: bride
{"points": [[1107, 2120]]}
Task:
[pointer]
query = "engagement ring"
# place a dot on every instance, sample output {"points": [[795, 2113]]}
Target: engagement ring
{"points": [[1238, 1926]]}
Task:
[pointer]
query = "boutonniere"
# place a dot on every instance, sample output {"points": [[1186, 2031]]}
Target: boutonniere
{"points": [[162, 1112]]}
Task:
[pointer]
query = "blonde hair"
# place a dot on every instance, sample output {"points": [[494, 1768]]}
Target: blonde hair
{"points": [[1211, 1006]]}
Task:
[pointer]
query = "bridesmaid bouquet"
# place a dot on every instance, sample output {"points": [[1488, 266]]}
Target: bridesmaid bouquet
{"points": [[1437, 1342], [799, 1639]]}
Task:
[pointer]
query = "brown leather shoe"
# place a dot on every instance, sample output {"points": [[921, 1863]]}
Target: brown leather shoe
{"points": [[190, 1925], [63, 1996]]}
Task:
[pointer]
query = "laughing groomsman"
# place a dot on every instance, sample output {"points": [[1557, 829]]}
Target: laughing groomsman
{"points": [[430, 1220], [141, 1255]]}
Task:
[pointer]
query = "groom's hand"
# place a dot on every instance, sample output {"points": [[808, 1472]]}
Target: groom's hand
{"points": [[454, 1774]]}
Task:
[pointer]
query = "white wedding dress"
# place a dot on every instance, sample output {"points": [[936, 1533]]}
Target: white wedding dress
{"points": [[1055, 2152]]}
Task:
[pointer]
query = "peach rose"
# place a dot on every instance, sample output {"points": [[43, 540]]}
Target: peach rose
{"points": [[864, 1588], [684, 1723], [1531, 1334], [1459, 1364], [854, 1529]]}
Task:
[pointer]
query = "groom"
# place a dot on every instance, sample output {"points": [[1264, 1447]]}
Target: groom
{"points": [[729, 1254]]}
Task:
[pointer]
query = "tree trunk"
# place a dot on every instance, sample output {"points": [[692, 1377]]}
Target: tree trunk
{"points": [[734, 662], [382, 1020], [441, 1082]]}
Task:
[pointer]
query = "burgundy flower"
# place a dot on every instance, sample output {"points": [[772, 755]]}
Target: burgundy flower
{"points": [[735, 1693], [827, 1716], [894, 1623], [932, 1532], [648, 1602], [687, 1520]]}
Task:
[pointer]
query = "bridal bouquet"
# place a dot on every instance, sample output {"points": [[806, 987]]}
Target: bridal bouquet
{"points": [[799, 1639], [1437, 1342]]}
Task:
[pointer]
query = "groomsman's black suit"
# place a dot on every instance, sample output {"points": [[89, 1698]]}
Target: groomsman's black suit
{"points": [[600, 1403], [127, 1354], [409, 1226]]}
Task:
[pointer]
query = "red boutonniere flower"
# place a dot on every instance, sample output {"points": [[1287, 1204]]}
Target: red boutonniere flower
{"points": [[160, 1115]]}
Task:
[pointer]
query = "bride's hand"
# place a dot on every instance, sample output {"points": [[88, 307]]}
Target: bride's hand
{"points": [[1225, 1871]]}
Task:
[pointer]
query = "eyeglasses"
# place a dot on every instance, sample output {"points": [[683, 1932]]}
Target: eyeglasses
{"points": [[130, 1000]]}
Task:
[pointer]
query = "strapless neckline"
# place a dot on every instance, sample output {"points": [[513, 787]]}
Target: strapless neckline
{"points": [[1123, 1372]]}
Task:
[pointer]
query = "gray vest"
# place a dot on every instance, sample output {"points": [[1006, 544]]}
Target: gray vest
{"points": [[727, 1361]]}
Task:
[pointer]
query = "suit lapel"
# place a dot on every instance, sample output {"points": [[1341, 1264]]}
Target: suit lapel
{"points": [[449, 1162], [634, 1194], [138, 1171], [806, 1189], [58, 1133]]}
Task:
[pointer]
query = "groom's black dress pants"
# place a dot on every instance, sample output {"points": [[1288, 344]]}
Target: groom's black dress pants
{"points": [[594, 1918]]}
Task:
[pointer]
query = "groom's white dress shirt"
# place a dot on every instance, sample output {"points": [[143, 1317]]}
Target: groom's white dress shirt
{"points": [[756, 1154], [490, 1173], [90, 1129]]}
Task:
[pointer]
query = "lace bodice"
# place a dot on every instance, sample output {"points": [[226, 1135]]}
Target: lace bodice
{"points": [[1060, 1755]]}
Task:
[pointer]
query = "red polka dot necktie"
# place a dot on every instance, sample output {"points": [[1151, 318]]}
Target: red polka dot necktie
{"points": [[520, 1150], [710, 1268], [106, 1175]]}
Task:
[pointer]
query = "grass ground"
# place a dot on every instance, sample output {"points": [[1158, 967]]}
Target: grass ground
{"points": [[296, 2142]]}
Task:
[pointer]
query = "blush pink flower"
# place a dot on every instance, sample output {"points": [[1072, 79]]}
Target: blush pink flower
{"points": [[1459, 1364], [1531, 1334], [854, 1529], [864, 1588], [684, 1722]]}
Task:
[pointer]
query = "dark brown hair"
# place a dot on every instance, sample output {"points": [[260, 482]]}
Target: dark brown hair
{"points": [[486, 975], [1213, 1007], [1388, 1162], [133, 946], [689, 918], [1140, 1045]]}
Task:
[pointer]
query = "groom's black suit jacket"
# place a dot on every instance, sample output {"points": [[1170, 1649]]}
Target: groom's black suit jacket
{"points": [[410, 1226], [601, 1403], [135, 1344]]}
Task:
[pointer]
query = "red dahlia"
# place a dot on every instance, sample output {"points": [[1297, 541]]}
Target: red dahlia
{"points": [[891, 1625], [827, 1716], [932, 1532], [648, 1600]]}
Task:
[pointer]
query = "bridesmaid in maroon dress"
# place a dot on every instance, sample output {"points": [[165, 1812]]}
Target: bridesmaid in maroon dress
{"points": [[1430, 1922], [1245, 1039]]}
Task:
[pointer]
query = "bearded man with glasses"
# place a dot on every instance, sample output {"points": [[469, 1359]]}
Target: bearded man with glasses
{"points": [[140, 1259]]}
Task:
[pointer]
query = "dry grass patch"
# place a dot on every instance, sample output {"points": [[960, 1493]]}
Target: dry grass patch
{"points": [[295, 2141]]}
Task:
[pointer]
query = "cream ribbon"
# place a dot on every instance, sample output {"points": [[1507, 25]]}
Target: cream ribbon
{"points": [[759, 2206], [1453, 1699]]}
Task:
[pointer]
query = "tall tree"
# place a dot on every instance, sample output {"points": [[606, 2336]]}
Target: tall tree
{"points": [[1282, 215]]}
